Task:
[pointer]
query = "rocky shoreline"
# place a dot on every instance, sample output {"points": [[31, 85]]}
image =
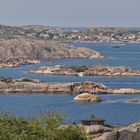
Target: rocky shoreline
{"points": [[26, 85], [105, 132], [16, 52], [97, 70], [34, 86], [16, 62]]}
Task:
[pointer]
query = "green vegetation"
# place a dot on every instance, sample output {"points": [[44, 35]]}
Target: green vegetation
{"points": [[79, 68], [24, 79], [7, 80], [46, 127]]}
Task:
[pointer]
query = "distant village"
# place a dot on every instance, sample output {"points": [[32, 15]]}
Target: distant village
{"points": [[130, 35]]}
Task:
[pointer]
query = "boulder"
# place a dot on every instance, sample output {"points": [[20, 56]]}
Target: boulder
{"points": [[95, 129], [114, 135], [131, 132], [88, 97]]}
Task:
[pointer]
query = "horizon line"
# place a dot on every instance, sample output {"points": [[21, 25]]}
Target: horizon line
{"points": [[69, 26]]}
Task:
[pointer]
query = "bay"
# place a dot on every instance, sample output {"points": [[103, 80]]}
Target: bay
{"points": [[115, 109]]}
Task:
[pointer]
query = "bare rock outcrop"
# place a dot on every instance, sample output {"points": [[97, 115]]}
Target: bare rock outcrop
{"points": [[87, 97], [131, 132], [30, 49], [25, 85], [33, 86], [17, 61], [97, 70], [108, 136], [126, 91], [101, 70], [96, 129], [55, 70]]}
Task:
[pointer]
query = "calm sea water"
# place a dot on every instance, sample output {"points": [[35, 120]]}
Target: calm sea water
{"points": [[116, 109]]}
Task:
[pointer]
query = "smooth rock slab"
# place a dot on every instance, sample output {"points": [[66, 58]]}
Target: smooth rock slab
{"points": [[126, 91], [87, 97]]}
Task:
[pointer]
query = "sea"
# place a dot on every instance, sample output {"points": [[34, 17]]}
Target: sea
{"points": [[115, 109]]}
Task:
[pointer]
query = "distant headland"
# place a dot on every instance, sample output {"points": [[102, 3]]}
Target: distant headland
{"points": [[98, 34]]}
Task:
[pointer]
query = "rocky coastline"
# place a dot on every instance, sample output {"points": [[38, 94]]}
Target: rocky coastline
{"points": [[16, 52], [97, 70], [16, 62], [106, 132], [27, 45], [25, 85]]}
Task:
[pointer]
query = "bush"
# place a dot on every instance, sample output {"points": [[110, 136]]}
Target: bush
{"points": [[24, 79], [6, 80], [79, 68], [46, 127]]}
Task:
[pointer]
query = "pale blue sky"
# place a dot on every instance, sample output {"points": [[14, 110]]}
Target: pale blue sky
{"points": [[71, 12]]}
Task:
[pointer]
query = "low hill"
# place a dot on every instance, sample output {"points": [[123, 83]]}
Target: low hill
{"points": [[40, 49]]}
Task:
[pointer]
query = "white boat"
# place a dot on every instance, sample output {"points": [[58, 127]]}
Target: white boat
{"points": [[81, 74]]}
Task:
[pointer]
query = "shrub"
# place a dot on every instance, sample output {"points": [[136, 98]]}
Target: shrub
{"points": [[7, 80], [46, 127], [24, 79], [79, 68]]}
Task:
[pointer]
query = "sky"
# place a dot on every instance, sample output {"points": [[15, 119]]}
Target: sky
{"points": [[71, 13]]}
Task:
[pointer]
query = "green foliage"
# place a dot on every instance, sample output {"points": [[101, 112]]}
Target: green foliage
{"points": [[46, 127], [24, 79], [79, 68], [7, 80]]}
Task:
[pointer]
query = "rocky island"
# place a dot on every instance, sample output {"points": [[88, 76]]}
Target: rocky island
{"points": [[17, 61], [97, 70], [15, 52], [87, 97], [25, 85]]}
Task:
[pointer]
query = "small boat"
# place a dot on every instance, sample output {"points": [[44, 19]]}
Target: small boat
{"points": [[80, 74]]}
